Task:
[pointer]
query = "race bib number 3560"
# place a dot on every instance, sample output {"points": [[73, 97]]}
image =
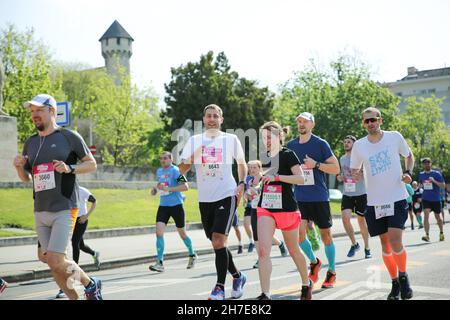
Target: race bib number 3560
{"points": [[44, 177]]}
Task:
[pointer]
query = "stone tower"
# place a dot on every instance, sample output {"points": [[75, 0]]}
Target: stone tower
{"points": [[116, 48]]}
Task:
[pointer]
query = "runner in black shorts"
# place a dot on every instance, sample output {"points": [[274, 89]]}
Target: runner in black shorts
{"points": [[171, 205], [213, 154], [317, 159], [417, 203]]}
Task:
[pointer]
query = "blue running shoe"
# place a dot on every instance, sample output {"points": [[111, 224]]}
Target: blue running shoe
{"points": [[217, 294], [94, 292], [353, 249], [251, 246], [238, 286]]}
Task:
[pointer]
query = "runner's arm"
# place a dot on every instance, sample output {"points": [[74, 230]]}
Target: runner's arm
{"points": [[184, 167], [296, 178], [93, 202], [180, 188], [87, 165], [331, 166], [19, 164]]}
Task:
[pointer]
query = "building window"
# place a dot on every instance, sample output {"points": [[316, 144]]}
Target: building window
{"points": [[423, 91], [431, 91], [118, 41], [399, 94], [107, 41], [129, 42]]}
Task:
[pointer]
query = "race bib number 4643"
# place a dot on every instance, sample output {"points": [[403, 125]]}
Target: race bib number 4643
{"points": [[44, 177]]}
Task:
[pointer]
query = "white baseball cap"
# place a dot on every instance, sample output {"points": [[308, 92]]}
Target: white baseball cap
{"points": [[306, 115], [41, 100]]}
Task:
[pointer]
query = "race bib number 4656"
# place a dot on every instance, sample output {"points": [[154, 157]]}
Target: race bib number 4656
{"points": [[44, 177], [385, 210]]}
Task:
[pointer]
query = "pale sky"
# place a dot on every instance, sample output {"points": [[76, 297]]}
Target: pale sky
{"points": [[265, 40]]}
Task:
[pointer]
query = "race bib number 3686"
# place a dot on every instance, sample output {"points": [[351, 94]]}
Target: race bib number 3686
{"points": [[44, 177]]}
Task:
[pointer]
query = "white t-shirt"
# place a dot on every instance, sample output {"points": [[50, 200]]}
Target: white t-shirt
{"points": [[382, 168], [83, 195], [213, 160]]}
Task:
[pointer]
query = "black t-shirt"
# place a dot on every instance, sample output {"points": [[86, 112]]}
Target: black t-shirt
{"points": [[281, 164]]}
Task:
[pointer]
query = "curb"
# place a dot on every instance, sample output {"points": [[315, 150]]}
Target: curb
{"points": [[118, 263], [95, 234]]}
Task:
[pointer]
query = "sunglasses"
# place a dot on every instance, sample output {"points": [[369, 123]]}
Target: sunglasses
{"points": [[371, 120]]}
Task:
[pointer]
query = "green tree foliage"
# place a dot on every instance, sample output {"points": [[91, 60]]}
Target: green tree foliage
{"points": [[336, 97], [210, 80], [27, 65], [422, 125]]}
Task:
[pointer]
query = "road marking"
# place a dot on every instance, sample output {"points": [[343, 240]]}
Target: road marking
{"points": [[444, 253]]}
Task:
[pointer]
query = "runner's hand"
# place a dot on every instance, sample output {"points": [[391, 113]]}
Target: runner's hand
{"points": [[153, 191], [357, 175], [340, 178], [431, 179], [267, 179], [309, 163], [239, 192], [20, 161], [83, 219], [60, 166]]}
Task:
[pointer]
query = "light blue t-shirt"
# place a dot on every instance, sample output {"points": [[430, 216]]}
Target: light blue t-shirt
{"points": [[169, 176]]}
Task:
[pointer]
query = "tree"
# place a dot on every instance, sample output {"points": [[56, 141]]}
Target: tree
{"points": [[197, 84], [422, 126], [28, 73], [336, 97]]}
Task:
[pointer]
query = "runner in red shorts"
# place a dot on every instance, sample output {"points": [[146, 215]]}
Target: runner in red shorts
{"points": [[277, 208]]}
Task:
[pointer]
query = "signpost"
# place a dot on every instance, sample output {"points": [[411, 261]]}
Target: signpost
{"points": [[63, 113]]}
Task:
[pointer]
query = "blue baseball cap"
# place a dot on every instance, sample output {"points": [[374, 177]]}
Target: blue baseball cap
{"points": [[41, 100]]}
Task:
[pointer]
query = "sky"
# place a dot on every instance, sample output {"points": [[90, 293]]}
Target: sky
{"points": [[264, 40]]}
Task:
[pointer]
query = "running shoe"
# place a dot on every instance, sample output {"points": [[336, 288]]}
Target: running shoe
{"points": [[251, 246], [283, 249], [353, 249], [191, 262], [3, 285], [441, 237], [412, 226], [263, 296], [426, 238], [420, 226], [367, 253], [238, 286], [405, 289], [60, 294], [240, 249], [217, 294], [330, 280], [94, 292], [96, 257], [307, 291], [256, 265], [314, 270], [158, 267], [395, 291]]}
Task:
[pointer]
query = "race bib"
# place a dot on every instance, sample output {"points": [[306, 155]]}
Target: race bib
{"points": [[349, 185], [162, 192], [212, 162], [385, 210], [44, 177], [427, 185], [309, 176], [272, 197], [416, 205]]}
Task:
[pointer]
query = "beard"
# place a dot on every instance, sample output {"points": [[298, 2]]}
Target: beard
{"points": [[40, 127]]}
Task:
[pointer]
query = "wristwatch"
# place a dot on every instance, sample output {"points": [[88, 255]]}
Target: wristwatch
{"points": [[317, 166], [72, 168]]}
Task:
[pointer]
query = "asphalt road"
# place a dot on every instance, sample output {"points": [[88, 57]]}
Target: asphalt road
{"points": [[357, 278]]}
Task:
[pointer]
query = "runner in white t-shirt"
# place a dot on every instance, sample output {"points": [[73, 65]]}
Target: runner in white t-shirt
{"points": [[213, 154], [378, 155]]}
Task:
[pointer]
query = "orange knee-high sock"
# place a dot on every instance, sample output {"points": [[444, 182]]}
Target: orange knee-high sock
{"points": [[390, 264], [400, 260]]}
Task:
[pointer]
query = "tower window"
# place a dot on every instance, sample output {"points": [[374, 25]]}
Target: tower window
{"points": [[129, 42], [118, 41], [107, 41]]}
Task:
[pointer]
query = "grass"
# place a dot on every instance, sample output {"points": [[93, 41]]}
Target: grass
{"points": [[115, 208]]}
